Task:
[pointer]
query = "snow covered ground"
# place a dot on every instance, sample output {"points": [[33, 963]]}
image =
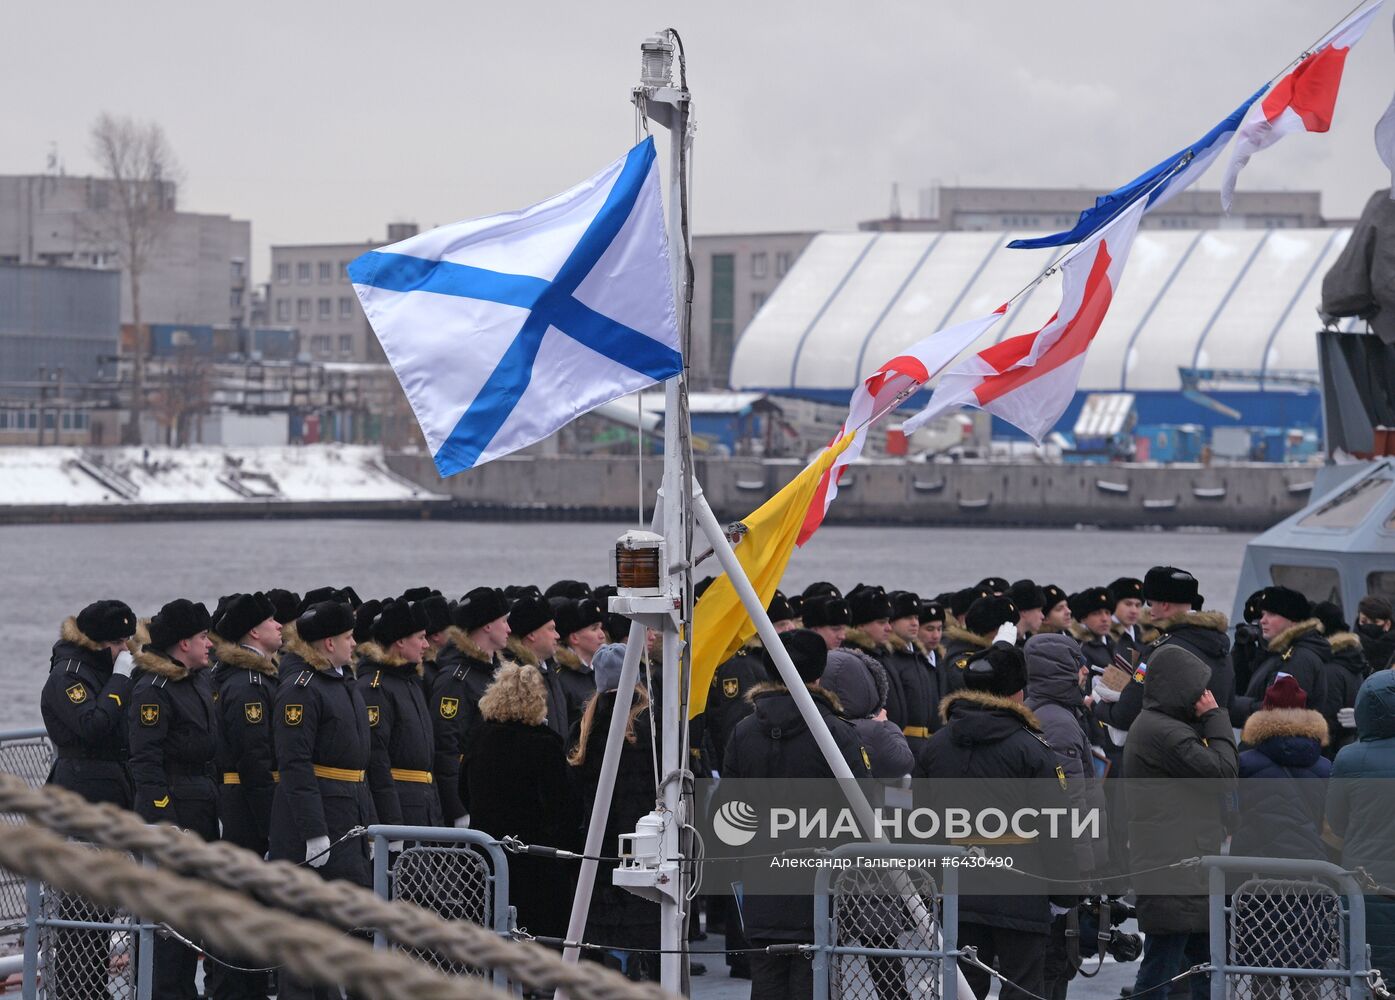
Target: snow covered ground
{"points": [[87, 476]]}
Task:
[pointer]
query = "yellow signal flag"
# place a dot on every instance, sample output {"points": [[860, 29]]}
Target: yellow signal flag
{"points": [[721, 625]]}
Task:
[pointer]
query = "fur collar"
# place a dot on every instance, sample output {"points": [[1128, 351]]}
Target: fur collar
{"points": [[819, 694], [752, 646], [859, 639], [380, 657], [230, 654], [1293, 633], [1146, 631], [987, 700], [1083, 635], [152, 661], [1271, 722], [288, 633], [568, 659], [1213, 621], [430, 655], [520, 653], [312, 657], [955, 633], [1344, 640], [71, 633], [457, 638]]}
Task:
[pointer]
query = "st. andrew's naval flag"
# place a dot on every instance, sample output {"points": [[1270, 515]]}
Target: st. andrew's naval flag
{"points": [[504, 329]]}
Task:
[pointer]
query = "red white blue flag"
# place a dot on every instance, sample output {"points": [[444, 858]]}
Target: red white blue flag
{"points": [[1028, 380], [1302, 101]]}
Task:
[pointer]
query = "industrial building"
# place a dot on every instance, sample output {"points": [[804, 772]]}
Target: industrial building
{"points": [[1209, 327]]}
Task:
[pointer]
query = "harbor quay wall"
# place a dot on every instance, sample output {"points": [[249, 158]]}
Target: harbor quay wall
{"points": [[1234, 497]]}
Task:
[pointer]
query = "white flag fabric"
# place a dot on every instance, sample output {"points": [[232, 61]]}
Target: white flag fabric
{"points": [[1029, 380], [504, 329], [880, 393], [1303, 100]]}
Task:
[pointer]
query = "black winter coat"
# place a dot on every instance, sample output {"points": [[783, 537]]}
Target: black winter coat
{"points": [[245, 684], [1345, 672], [1299, 650], [399, 776], [727, 703], [618, 916], [578, 683], [455, 711], [1203, 634], [774, 742], [323, 748], [1169, 819], [1379, 648], [1098, 649], [913, 699], [519, 785], [960, 646], [84, 711], [987, 737], [173, 727], [1283, 785]]}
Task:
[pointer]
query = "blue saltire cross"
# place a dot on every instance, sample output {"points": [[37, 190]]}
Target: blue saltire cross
{"points": [[550, 304]]}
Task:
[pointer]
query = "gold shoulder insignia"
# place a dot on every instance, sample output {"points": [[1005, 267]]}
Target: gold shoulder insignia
{"points": [[150, 715], [252, 712], [373, 715], [449, 707], [1061, 777], [77, 694], [730, 687], [294, 713]]}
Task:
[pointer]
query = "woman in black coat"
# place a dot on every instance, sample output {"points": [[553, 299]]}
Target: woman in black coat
{"points": [[617, 916], [516, 779]]}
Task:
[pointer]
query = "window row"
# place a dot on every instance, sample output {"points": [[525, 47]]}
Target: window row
{"points": [[20, 420], [322, 344], [760, 264], [323, 309], [305, 272]]}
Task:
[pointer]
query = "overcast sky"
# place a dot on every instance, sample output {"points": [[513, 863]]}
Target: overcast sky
{"points": [[321, 121]]}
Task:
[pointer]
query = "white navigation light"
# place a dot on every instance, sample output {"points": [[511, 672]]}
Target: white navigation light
{"points": [[656, 61]]}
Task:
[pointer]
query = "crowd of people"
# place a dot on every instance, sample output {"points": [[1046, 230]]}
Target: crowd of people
{"points": [[282, 722]]}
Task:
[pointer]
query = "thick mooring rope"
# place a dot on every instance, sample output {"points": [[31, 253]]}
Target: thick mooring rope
{"points": [[288, 887], [312, 951]]}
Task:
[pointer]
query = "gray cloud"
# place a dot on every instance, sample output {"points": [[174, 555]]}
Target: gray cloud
{"points": [[321, 121]]}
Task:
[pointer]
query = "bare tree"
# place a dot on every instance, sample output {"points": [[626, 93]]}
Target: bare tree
{"points": [[142, 176]]}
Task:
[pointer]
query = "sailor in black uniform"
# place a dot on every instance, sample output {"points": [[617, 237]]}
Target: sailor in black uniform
{"points": [[173, 727], [323, 746]]}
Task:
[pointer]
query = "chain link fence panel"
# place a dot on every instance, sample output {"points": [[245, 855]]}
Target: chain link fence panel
{"points": [[1287, 924], [870, 912], [452, 880], [85, 963], [29, 755]]}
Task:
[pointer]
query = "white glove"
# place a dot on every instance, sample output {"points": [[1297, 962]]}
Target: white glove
{"points": [[123, 663], [314, 846], [462, 822], [396, 846], [1058, 911], [1346, 718], [1007, 634]]}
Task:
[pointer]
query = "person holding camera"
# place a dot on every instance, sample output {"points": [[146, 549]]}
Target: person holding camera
{"points": [[1180, 734]]}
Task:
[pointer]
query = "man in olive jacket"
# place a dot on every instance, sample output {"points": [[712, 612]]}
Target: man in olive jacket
{"points": [[1179, 740]]}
